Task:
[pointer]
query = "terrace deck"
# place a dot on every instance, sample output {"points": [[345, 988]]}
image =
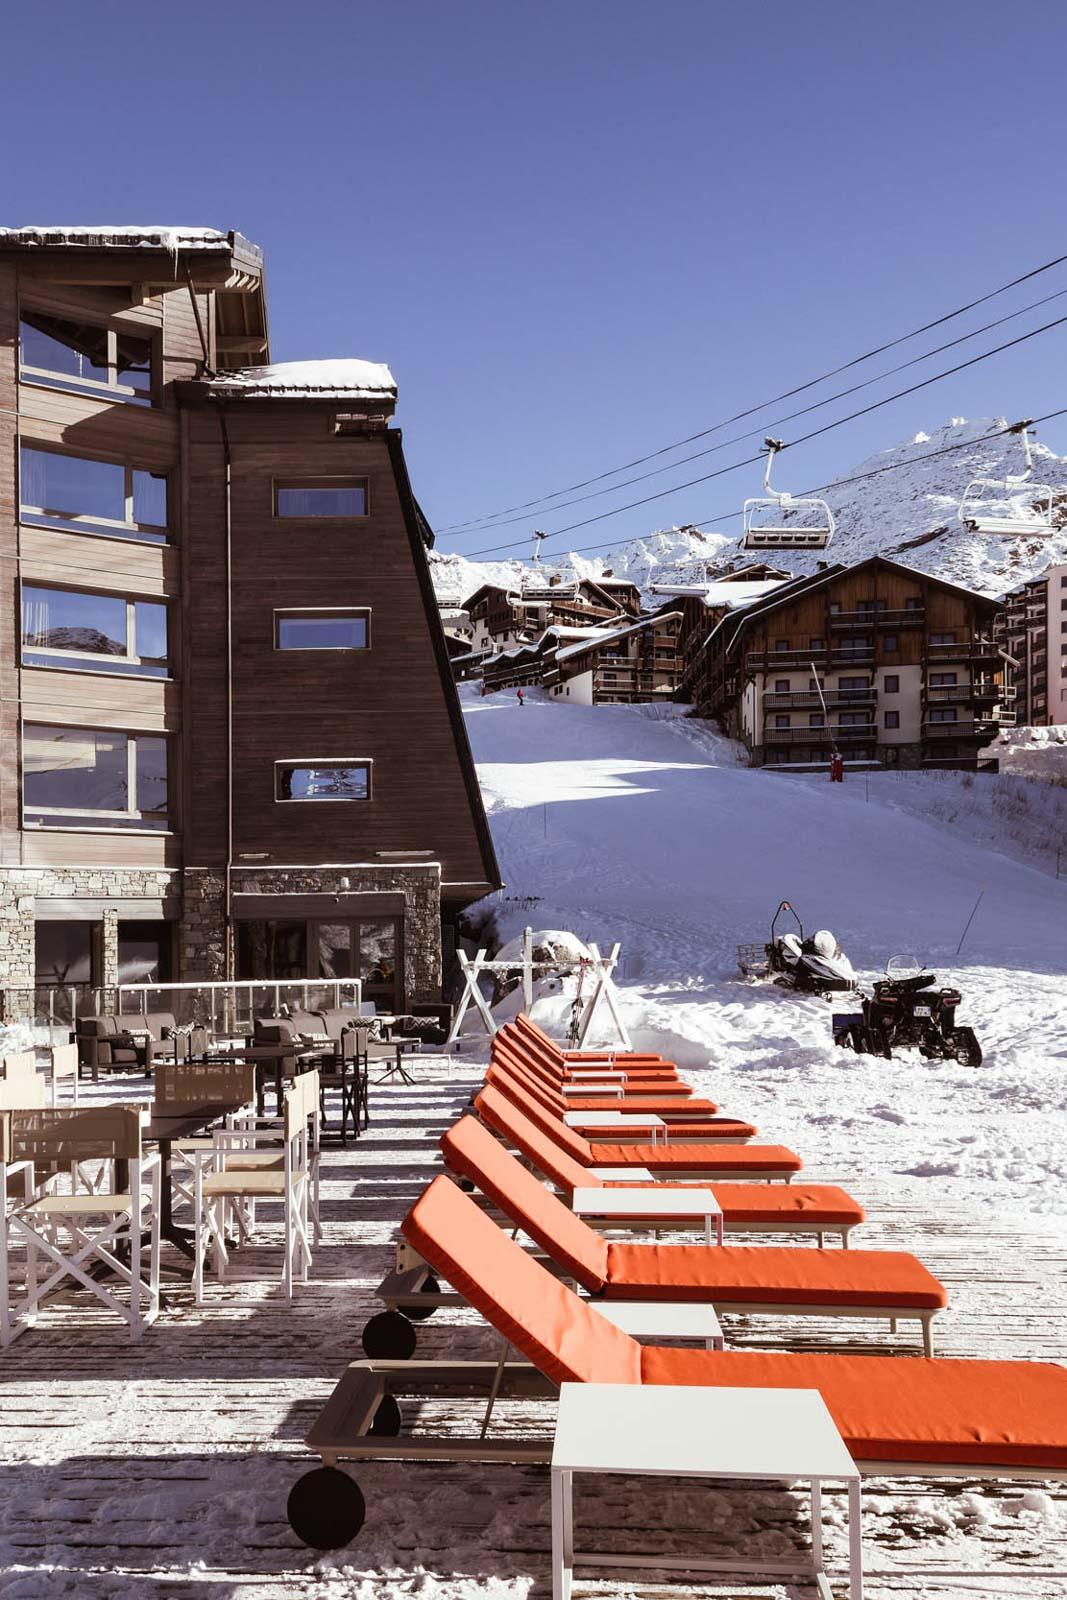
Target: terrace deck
{"points": [[163, 1468]]}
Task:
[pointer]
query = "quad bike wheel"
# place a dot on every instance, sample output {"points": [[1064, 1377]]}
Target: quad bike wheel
{"points": [[326, 1508], [389, 1337], [420, 1313], [967, 1051], [388, 1419]]}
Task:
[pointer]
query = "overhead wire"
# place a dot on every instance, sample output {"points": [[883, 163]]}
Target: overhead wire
{"points": [[791, 416], [788, 394], [856, 477], [790, 444]]}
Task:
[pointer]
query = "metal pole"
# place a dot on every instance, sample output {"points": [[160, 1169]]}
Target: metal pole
{"points": [[825, 712], [970, 919]]}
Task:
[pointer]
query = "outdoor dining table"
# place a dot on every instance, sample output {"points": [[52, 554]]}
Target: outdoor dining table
{"points": [[163, 1129], [265, 1057]]}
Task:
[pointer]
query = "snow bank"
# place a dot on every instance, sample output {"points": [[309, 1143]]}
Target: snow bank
{"points": [[1033, 752]]}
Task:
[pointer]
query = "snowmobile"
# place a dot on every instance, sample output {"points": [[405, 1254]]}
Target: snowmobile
{"points": [[906, 1010], [815, 965]]}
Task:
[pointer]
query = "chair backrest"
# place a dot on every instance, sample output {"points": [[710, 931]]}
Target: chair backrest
{"points": [[471, 1151], [275, 1030], [54, 1137], [64, 1069], [498, 1113], [204, 1083], [563, 1336], [23, 1094], [20, 1066], [503, 1067], [301, 1103]]}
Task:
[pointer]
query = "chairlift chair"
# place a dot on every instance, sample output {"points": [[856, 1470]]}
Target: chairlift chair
{"points": [[996, 505], [814, 525]]}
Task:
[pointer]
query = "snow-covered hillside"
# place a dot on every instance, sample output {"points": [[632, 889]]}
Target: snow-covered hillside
{"points": [[908, 512], [615, 823]]}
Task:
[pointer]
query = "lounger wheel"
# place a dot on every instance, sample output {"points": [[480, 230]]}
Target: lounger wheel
{"points": [[388, 1419], [326, 1508], [389, 1337], [420, 1313]]}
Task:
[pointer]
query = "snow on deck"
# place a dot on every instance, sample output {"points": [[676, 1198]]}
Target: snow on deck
{"points": [[136, 1471]]}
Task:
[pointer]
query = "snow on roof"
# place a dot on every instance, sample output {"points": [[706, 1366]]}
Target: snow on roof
{"points": [[614, 583], [731, 594], [609, 635], [339, 379], [125, 236]]}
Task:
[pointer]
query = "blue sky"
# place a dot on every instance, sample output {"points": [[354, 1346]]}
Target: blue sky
{"points": [[578, 231]]}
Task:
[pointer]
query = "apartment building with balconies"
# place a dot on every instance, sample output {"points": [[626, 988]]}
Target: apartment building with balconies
{"points": [[230, 743], [882, 663], [1033, 632]]}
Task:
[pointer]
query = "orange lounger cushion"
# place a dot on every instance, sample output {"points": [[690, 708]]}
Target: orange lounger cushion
{"points": [[777, 1275], [813, 1204], [981, 1414], [654, 1105], [678, 1157], [565, 1338], [918, 1409]]}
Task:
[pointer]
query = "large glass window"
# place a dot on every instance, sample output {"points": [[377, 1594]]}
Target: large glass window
{"points": [[144, 952], [62, 354], [320, 497], [62, 491], [64, 952], [322, 780], [93, 778], [322, 630], [84, 631]]}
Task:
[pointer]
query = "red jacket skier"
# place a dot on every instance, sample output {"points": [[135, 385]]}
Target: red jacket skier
{"points": [[837, 768]]}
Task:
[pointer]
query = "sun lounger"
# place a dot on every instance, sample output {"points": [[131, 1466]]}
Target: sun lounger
{"points": [[652, 1071], [678, 1159], [752, 1280], [912, 1417], [672, 1100], [596, 1116], [818, 1209]]}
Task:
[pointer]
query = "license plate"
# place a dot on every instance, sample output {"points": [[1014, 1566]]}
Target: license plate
{"points": [[923, 1011]]}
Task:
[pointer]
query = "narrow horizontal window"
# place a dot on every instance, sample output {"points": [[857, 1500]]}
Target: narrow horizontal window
{"points": [[65, 491], [58, 353], [89, 632], [320, 497], [322, 780], [322, 629], [93, 778]]}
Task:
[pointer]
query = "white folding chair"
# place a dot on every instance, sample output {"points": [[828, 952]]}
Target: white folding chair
{"points": [[222, 1191], [79, 1230], [64, 1070]]}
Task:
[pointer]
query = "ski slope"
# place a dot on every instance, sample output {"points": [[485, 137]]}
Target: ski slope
{"points": [[635, 824]]}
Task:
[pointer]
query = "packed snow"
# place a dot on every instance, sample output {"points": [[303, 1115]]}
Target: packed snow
{"points": [[346, 378], [628, 823]]}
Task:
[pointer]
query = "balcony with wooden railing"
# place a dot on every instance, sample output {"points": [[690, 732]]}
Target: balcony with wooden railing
{"points": [[879, 618], [962, 650], [836, 733], [962, 728], [809, 699]]}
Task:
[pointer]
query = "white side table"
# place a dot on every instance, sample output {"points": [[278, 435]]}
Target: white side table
{"points": [[612, 1089], [625, 1121], [656, 1205], [690, 1432], [661, 1323]]}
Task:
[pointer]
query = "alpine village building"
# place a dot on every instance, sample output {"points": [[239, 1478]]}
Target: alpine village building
{"points": [[231, 743], [880, 662], [1033, 630]]}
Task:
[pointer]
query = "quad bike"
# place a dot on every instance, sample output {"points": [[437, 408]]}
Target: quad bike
{"points": [[815, 965], [906, 1010]]}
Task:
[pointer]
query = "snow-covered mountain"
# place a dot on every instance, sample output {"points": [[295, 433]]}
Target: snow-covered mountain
{"points": [[909, 512]]}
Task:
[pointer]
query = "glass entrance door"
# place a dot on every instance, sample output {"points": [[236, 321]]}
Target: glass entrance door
{"points": [[368, 949]]}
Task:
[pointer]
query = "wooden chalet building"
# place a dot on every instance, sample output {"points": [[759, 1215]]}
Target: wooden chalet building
{"points": [[231, 742], [501, 618], [906, 663], [626, 665]]}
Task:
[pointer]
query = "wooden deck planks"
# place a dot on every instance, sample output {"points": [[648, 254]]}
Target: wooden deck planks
{"points": [[127, 1468]]}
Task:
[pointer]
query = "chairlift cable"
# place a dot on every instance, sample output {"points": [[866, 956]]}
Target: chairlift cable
{"points": [[836, 483], [791, 416], [804, 438], [473, 523]]}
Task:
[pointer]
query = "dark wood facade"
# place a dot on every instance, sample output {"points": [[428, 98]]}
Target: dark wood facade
{"points": [[231, 705]]}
